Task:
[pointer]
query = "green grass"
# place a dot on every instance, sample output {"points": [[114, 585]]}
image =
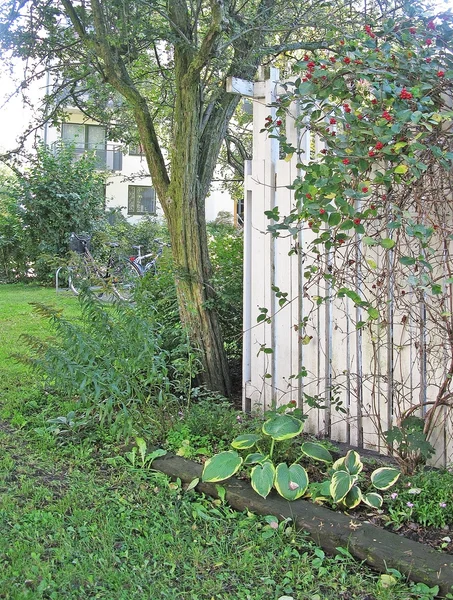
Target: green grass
{"points": [[74, 527]]}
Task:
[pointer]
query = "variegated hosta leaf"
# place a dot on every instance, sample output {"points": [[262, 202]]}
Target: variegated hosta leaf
{"points": [[338, 465], [317, 452], [353, 497], [352, 462], [282, 427], [245, 441], [291, 482], [253, 458], [221, 466], [262, 478], [340, 484], [372, 499], [384, 478]]}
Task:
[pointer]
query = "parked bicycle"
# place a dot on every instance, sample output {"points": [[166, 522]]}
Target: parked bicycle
{"points": [[147, 263], [117, 277]]}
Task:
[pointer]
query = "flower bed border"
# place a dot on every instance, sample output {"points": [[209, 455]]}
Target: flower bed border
{"points": [[380, 549]]}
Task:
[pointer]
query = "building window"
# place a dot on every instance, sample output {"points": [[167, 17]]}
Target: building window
{"points": [[141, 200], [86, 138]]}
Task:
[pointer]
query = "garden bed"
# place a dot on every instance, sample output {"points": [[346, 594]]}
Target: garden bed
{"points": [[379, 548]]}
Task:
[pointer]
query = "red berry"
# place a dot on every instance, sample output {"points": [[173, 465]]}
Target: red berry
{"points": [[405, 95], [357, 221], [364, 190], [322, 211], [278, 122], [341, 241], [373, 207], [440, 73], [346, 161], [308, 196], [324, 67], [431, 25], [379, 146], [310, 223], [346, 108], [308, 75], [311, 65], [341, 42], [428, 42], [306, 58], [412, 30], [371, 153], [384, 196], [323, 151], [332, 59], [360, 117], [346, 60], [374, 101], [428, 60], [332, 121]]}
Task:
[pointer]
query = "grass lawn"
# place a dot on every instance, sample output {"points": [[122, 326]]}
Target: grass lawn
{"points": [[72, 526]]}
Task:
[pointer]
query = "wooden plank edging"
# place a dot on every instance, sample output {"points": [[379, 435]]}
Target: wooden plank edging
{"points": [[380, 549]]}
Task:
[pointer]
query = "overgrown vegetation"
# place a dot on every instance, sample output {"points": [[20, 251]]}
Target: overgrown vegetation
{"points": [[73, 524]]}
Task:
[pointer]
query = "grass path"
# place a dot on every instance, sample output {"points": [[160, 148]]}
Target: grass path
{"points": [[74, 527]]}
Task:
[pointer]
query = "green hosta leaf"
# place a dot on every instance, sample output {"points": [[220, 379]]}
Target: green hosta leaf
{"points": [[282, 427], [245, 441], [221, 466], [352, 462], [253, 458], [291, 482], [353, 498], [372, 499], [262, 478], [317, 452], [384, 478], [340, 484], [338, 465]]}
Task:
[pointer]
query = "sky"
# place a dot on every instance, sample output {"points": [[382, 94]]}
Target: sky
{"points": [[14, 118]]}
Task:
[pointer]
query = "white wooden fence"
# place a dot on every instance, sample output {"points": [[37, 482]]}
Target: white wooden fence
{"points": [[374, 383]]}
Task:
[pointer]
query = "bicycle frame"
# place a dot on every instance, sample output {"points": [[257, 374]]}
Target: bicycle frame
{"points": [[151, 265]]}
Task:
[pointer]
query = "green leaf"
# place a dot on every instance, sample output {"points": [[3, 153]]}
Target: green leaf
{"points": [[221, 466], [254, 457], [340, 484], [291, 482], [372, 499], [193, 484], [352, 462], [282, 427], [334, 219], [387, 243], [262, 478], [369, 241], [385, 477], [373, 313], [401, 169], [353, 498], [245, 441], [407, 260], [317, 452]]}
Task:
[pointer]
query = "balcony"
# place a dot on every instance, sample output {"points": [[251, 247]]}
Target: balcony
{"points": [[109, 157]]}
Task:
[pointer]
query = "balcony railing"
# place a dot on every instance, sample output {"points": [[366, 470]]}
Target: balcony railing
{"points": [[108, 157]]}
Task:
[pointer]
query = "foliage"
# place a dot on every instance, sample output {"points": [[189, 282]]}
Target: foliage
{"points": [[13, 254], [425, 498], [226, 254], [370, 203], [111, 364], [342, 488], [52, 197], [409, 443]]}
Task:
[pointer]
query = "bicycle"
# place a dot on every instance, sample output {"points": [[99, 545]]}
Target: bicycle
{"points": [[151, 265], [118, 277]]}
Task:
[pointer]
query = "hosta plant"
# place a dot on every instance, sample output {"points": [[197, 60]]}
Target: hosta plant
{"points": [[343, 486], [290, 481]]}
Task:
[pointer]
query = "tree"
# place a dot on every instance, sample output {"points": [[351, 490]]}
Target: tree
{"points": [[168, 64]]}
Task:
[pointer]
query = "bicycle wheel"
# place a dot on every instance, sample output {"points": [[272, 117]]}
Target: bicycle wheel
{"points": [[79, 277], [124, 279]]}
